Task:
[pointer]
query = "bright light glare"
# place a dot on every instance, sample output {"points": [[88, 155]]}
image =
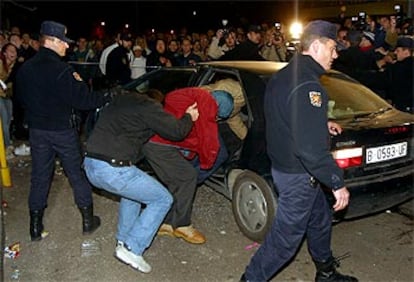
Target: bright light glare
{"points": [[126, 25], [295, 30], [102, 23]]}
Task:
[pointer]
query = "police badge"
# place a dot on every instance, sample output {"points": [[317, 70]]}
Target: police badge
{"points": [[315, 98]]}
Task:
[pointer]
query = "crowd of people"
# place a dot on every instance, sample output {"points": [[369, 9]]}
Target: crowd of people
{"points": [[74, 77]]}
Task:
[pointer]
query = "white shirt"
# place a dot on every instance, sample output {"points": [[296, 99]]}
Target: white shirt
{"points": [[138, 65]]}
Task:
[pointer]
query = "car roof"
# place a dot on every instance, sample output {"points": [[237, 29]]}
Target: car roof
{"points": [[258, 67]]}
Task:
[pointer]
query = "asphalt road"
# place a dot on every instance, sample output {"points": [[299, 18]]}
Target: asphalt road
{"points": [[380, 246]]}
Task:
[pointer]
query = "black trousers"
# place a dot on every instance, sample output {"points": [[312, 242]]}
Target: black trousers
{"points": [[178, 175], [44, 146]]}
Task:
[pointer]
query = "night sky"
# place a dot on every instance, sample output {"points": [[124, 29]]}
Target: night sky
{"points": [[81, 16]]}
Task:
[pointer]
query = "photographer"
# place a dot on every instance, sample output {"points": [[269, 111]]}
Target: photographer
{"points": [[224, 41], [274, 48]]}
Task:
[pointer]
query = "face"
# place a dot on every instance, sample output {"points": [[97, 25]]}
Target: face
{"points": [[186, 46], [59, 46], [402, 53], [160, 46], [255, 37], [173, 46], [10, 53], [325, 53]]}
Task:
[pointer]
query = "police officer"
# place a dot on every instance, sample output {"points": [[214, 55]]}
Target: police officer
{"points": [[118, 69], [297, 134], [49, 89]]}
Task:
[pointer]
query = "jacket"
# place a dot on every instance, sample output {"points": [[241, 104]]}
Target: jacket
{"points": [[297, 135], [126, 123], [49, 89], [203, 139]]}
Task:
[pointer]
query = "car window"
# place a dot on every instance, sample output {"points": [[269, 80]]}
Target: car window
{"points": [[348, 98], [164, 80]]}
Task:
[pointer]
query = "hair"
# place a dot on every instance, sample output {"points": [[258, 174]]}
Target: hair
{"points": [[156, 95], [307, 39], [3, 58]]}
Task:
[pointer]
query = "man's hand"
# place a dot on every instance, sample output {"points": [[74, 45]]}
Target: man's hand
{"points": [[334, 128], [193, 111], [342, 198]]}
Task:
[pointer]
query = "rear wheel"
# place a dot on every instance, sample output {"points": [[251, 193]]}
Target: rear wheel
{"points": [[254, 205]]}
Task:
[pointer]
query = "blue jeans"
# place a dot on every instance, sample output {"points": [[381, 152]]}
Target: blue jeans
{"points": [[137, 226]]}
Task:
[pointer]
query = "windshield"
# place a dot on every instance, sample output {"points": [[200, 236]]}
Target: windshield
{"points": [[350, 99]]}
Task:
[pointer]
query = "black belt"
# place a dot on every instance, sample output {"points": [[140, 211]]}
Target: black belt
{"points": [[111, 161]]}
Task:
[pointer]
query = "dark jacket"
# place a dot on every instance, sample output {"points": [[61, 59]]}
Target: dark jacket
{"points": [[247, 50], [49, 89], [297, 135], [126, 123], [118, 69], [397, 83]]}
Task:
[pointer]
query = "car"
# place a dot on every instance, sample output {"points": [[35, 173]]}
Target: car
{"points": [[375, 149]]}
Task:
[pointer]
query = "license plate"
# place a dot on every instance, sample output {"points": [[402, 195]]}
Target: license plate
{"points": [[385, 153]]}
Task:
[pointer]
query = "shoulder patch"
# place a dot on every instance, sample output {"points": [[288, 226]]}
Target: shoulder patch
{"points": [[315, 98], [77, 76]]}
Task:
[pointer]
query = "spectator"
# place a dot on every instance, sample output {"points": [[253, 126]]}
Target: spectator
{"points": [[138, 63], [187, 57], [8, 61], [249, 49], [113, 149], [274, 48], [396, 80], [159, 57], [224, 41], [49, 89]]}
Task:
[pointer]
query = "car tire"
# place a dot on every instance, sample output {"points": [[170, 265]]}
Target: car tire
{"points": [[254, 205]]}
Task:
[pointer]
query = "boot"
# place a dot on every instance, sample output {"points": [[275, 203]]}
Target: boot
{"points": [[36, 225], [89, 222], [326, 272]]}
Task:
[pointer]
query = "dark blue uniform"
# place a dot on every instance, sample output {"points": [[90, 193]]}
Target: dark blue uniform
{"points": [[49, 90], [297, 139]]}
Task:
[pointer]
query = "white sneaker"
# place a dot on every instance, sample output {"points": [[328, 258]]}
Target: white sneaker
{"points": [[128, 257], [22, 150]]}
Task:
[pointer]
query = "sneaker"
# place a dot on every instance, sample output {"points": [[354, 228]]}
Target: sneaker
{"points": [[119, 243], [124, 254], [166, 229], [22, 150], [190, 234]]}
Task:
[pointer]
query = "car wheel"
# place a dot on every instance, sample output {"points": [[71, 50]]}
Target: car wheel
{"points": [[254, 205]]}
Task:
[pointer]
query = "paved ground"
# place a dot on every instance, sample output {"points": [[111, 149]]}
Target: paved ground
{"points": [[381, 246]]}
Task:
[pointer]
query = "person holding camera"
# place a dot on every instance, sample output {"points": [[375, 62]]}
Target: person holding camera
{"points": [[274, 48], [224, 41]]}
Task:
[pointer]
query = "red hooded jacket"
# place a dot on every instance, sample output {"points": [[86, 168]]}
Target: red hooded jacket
{"points": [[203, 138]]}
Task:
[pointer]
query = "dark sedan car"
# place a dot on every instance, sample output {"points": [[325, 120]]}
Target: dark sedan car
{"points": [[375, 150]]}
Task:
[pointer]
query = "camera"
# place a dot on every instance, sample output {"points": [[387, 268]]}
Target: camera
{"points": [[277, 34], [399, 15], [362, 21]]}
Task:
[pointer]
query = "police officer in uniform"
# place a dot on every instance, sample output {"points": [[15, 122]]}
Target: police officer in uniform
{"points": [[49, 89], [297, 135]]}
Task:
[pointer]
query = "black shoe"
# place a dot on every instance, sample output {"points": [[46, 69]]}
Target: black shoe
{"points": [[243, 278], [326, 272], [36, 225], [90, 222]]}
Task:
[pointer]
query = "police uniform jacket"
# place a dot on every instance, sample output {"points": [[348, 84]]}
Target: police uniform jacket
{"points": [[49, 89], [118, 67], [126, 123], [297, 135]]}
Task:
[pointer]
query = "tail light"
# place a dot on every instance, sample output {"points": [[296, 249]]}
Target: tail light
{"points": [[346, 158]]}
